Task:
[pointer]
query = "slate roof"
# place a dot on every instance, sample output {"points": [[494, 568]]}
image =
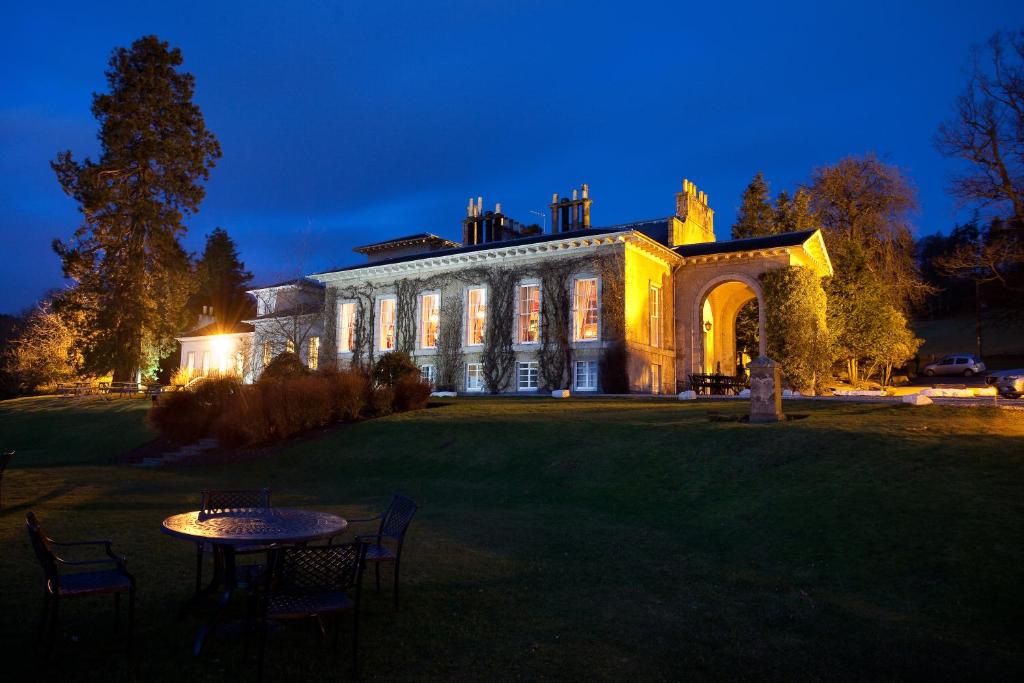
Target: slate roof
{"points": [[218, 328], [284, 283], [535, 239], [785, 239], [402, 241]]}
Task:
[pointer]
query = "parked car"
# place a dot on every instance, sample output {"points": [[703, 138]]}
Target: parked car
{"points": [[1009, 383], [963, 364]]}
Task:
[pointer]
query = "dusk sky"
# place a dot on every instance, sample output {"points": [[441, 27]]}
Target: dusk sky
{"points": [[345, 123]]}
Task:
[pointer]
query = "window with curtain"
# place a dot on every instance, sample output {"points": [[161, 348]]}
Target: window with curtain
{"points": [[387, 325], [430, 315], [585, 311], [654, 310], [289, 346], [528, 314], [346, 327], [476, 316]]}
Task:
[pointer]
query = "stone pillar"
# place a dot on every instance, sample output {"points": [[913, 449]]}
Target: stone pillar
{"points": [[765, 391]]}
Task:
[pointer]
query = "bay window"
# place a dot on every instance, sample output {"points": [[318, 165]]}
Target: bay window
{"points": [[585, 314], [430, 312], [528, 314]]}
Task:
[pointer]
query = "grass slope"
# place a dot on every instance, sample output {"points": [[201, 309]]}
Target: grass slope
{"points": [[584, 539]]}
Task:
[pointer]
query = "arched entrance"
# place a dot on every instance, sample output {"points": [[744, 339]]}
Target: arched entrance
{"points": [[715, 322]]}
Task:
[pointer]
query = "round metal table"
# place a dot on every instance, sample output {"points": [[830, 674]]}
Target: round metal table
{"points": [[230, 530]]}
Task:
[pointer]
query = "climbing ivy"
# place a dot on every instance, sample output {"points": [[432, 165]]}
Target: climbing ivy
{"points": [[499, 359]]}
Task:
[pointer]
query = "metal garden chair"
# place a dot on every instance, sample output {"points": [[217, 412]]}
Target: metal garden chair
{"points": [[222, 501], [386, 545], [311, 582], [5, 459], [60, 585]]}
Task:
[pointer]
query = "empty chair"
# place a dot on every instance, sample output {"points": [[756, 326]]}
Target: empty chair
{"points": [[386, 545], [62, 584], [5, 458], [311, 582], [224, 501]]}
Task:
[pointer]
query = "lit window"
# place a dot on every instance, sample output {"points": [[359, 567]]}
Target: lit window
{"points": [[267, 354], [476, 316], [474, 376], [191, 365], [655, 379], [428, 373], [387, 325], [586, 375], [430, 305], [206, 362], [654, 304], [585, 313], [528, 314], [527, 376], [346, 327], [289, 346], [313, 353]]}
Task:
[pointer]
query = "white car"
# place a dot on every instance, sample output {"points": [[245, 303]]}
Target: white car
{"points": [[963, 364]]}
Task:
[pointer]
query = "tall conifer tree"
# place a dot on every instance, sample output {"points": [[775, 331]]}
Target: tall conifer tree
{"points": [[221, 278], [133, 278], [755, 216]]}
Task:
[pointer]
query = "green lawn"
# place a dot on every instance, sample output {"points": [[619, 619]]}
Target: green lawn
{"points": [[581, 539]]}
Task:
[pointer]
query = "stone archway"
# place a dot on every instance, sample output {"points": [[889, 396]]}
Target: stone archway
{"points": [[714, 321]]}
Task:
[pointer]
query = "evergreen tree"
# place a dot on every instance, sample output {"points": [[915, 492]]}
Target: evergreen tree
{"points": [[755, 216], [221, 278], [793, 215], [133, 278]]}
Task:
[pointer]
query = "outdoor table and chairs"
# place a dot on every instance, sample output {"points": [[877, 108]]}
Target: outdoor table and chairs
{"points": [[230, 530], [717, 384]]}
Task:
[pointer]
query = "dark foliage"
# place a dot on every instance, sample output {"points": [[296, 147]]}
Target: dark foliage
{"points": [[393, 366], [285, 366]]}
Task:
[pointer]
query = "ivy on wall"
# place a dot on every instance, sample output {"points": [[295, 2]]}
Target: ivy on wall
{"points": [[498, 356], [499, 359]]}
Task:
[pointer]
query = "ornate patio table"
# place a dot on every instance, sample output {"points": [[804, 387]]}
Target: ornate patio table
{"points": [[227, 530]]}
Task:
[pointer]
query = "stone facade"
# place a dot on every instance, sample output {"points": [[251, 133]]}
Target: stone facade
{"points": [[635, 307]]}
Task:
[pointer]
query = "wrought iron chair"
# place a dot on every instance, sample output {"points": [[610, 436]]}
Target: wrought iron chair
{"points": [[213, 502], [59, 585], [310, 582], [394, 522], [5, 458]]}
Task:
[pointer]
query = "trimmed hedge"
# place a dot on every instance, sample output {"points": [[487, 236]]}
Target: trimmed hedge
{"points": [[278, 407]]}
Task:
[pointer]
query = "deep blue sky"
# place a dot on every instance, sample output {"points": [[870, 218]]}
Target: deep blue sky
{"points": [[345, 123]]}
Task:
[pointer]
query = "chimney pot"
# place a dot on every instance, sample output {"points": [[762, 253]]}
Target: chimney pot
{"points": [[575, 195], [586, 191], [497, 208]]}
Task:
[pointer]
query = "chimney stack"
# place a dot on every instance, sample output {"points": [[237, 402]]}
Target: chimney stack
{"points": [[571, 214], [697, 217]]}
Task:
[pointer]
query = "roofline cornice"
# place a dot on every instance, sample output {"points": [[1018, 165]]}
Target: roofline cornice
{"points": [[483, 256]]}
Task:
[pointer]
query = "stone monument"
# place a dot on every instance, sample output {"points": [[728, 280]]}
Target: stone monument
{"points": [[765, 391]]}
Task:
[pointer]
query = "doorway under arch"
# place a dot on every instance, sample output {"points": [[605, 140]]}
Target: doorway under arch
{"points": [[719, 309]]}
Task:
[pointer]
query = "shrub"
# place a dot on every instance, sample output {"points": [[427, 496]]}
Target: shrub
{"points": [[392, 366], [410, 393], [349, 391], [184, 416], [284, 366], [294, 405], [382, 401], [246, 423]]}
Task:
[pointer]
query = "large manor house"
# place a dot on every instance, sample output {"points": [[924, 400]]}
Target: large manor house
{"points": [[636, 307]]}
